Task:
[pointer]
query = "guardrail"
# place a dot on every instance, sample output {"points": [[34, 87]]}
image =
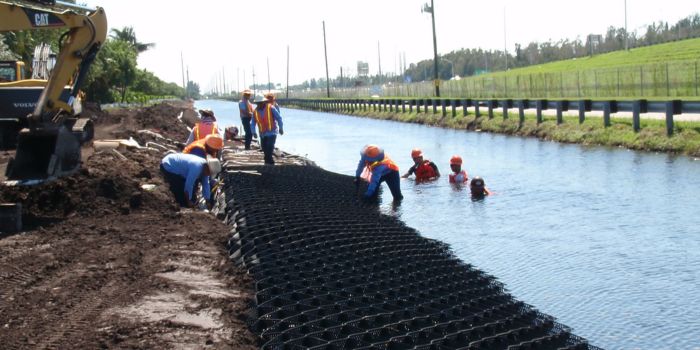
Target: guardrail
{"points": [[637, 107]]}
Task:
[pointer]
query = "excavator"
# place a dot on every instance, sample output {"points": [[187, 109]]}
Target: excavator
{"points": [[50, 136]]}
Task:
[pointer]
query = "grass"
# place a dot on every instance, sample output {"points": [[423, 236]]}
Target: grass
{"points": [[652, 137]]}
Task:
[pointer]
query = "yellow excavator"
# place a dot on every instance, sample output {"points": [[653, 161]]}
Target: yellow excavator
{"points": [[50, 136]]}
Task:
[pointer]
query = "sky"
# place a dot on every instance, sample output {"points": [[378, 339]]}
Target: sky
{"points": [[232, 38]]}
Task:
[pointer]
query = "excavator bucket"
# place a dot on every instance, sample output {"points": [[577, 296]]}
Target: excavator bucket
{"points": [[45, 153]]}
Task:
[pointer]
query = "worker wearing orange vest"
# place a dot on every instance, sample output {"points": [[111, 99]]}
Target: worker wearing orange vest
{"points": [[269, 122], [459, 175], [382, 169], [206, 127], [423, 169], [246, 111], [210, 145]]}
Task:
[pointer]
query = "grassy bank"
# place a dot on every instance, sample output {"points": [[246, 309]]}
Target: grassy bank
{"points": [[652, 137]]}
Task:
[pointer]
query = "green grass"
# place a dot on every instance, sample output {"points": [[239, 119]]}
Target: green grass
{"points": [[664, 71], [652, 137]]}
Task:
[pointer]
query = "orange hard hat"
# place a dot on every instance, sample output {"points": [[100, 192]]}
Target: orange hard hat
{"points": [[456, 160], [214, 142], [416, 153], [372, 151]]}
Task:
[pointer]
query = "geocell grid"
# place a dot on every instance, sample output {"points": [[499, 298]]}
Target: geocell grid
{"points": [[333, 273]]}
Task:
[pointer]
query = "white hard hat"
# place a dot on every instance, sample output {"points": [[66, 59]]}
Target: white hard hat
{"points": [[214, 166]]}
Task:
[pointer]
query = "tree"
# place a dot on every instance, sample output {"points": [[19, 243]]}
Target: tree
{"points": [[5, 53], [128, 35]]}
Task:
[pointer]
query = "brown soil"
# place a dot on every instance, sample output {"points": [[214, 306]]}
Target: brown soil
{"points": [[103, 263]]}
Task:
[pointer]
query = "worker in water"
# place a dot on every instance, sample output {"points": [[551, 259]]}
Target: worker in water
{"points": [[210, 145], [183, 171], [423, 169], [207, 126], [269, 122], [381, 169], [459, 175], [270, 97], [478, 188], [246, 111]]}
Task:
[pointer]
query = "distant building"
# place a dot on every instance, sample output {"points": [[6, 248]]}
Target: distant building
{"points": [[362, 69]]}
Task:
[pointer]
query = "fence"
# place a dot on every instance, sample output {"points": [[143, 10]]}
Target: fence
{"points": [[671, 79], [637, 107]]}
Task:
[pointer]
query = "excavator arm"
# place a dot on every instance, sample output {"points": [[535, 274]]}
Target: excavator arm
{"points": [[44, 148]]}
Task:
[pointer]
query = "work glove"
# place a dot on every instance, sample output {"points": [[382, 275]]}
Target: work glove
{"points": [[281, 131]]}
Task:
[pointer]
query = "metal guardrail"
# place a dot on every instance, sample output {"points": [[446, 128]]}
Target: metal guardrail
{"points": [[637, 107]]}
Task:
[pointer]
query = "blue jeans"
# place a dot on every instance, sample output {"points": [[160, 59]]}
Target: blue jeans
{"points": [[393, 180], [268, 146], [248, 131]]}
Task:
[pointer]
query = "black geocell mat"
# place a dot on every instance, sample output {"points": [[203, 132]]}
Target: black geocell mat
{"points": [[333, 273]]}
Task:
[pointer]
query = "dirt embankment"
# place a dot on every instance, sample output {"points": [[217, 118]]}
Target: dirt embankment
{"points": [[105, 263]]}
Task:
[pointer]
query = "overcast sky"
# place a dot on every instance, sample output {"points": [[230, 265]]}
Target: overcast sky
{"points": [[235, 36]]}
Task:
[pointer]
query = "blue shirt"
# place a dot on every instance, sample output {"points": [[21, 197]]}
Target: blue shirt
{"points": [[190, 168], [243, 108], [278, 119], [377, 173]]}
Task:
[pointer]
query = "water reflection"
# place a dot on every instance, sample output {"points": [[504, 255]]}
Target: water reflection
{"points": [[605, 239]]}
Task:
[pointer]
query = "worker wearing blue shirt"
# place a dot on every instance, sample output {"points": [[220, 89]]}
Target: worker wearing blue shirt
{"points": [[246, 111], [269, 122], [182, 171], [381, 169]]}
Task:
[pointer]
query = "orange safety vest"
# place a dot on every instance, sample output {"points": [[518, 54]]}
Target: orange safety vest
{"points": [[196, 144], [266, 122], [201, 130], [425, 171], [460, 177], [386, 161]]}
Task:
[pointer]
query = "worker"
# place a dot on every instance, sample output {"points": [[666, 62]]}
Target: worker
{"points": [[183, 171], [269, 122], [207, 126], [270, 97], [246, 111], [459, 175], [230, 133], [423, 169], [478, 188], [382, 169], [210, 145]]}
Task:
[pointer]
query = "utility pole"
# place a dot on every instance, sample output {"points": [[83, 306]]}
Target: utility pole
{"points": [[379, 58], [505, 42], [287, 94], [182, 65], [238, 79], [627, 46], [245, 85], [255, 91], [187, 90], [325, 53], [223, 79], [268, 74], [431, 9]]}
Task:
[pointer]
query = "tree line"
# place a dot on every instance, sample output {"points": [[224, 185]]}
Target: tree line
{"points": [[469, 62], [113, 76]]}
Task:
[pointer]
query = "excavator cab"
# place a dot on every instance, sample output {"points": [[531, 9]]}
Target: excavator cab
{"points": [[48, 144]]}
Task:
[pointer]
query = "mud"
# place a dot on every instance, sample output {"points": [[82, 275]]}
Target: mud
{"points": [[103, 263]]}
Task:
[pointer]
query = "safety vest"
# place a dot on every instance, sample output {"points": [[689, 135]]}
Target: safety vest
{"points": [[197, 145], [425, 171], [386, 161], [461, 177], [201, 130], [246, 108], [267, 121]]}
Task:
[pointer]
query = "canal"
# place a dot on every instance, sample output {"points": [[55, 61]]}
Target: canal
{"points": [[606, 240]]}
